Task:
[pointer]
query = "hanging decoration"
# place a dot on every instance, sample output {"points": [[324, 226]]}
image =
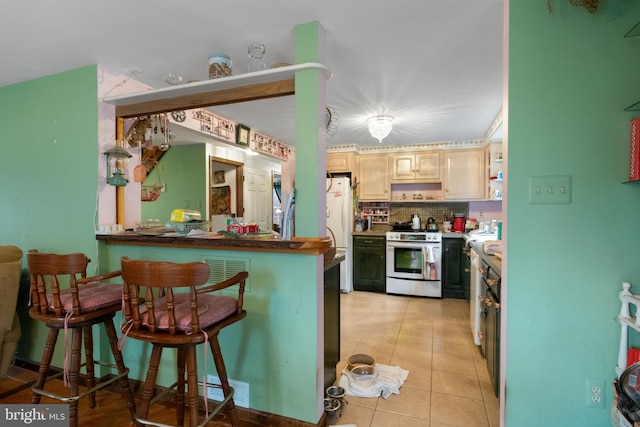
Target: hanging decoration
{"points": [[590, 5], [332, 122]]}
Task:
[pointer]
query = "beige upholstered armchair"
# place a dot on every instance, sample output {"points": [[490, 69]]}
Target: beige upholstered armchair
{"points": [[10, 266]]}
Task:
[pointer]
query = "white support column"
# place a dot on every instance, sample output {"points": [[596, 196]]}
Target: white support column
{"points": [[625, 313]]}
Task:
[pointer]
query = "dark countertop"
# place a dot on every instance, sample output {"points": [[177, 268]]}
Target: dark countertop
{"points": [[453, 235], [370, 233], [297, 245], [336, 261]]}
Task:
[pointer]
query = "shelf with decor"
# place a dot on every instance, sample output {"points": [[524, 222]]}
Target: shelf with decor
{"points": [[378, 211]]}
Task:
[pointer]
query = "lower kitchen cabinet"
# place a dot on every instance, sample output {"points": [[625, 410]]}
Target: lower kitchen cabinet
{"points": [[331, 322], [453, 282], [466, 271], [369, 266]]}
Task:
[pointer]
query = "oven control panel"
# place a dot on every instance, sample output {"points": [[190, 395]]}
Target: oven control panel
{"points": [[433, 237]]}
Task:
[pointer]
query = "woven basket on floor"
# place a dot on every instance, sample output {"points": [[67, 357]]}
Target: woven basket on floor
{"points": [[331, 252]]}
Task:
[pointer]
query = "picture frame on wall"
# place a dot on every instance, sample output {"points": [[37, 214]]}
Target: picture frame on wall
{"points": [[218, 177], [242, 135]]}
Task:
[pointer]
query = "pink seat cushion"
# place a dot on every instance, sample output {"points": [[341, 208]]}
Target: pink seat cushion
{"points": [[211, 309], [92, 296]]}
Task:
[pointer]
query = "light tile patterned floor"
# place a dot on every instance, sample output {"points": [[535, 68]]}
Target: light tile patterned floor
{"points": [[448, 383]]}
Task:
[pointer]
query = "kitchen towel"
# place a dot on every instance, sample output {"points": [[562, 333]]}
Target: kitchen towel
{"points": [[388, 381], [491, 247]]}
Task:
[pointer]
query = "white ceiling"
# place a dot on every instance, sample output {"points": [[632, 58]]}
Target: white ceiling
{"points": [[435, 65]]}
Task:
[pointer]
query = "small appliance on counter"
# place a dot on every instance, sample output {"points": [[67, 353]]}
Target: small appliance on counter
{"points": [[458, 223], [415, 222], [431, 225]]}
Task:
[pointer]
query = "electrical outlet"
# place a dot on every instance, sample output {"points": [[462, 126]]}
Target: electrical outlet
{"points": [[595, 397], [550, 189]]}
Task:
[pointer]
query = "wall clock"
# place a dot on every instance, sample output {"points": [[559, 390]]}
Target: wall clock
{"points": [[242, 135], [178, 116]]}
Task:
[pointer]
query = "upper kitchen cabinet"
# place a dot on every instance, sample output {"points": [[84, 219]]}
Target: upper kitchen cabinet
{"points": [[415, 168], [342, 162], [465, 175], [373, 177]]}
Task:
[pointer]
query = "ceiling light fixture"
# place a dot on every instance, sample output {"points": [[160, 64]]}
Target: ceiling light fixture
{"points": [[380, 126]]}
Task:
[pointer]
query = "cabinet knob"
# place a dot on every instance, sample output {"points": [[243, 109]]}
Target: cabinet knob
{"points": [[466, 270]]}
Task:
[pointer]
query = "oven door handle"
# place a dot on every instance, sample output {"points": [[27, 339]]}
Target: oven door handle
{"points": [[425, 264]]}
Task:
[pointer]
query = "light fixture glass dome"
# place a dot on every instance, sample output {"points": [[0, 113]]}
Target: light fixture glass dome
{"points": [[380, 126]]}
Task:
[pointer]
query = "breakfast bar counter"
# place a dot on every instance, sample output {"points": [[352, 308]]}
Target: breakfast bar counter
{"points": [[298, 245]]}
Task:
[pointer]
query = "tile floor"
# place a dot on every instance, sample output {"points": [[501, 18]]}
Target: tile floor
{"points": [[448, 383]]}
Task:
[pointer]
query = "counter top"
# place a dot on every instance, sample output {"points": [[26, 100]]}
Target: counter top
{"points": [[453, 235], [336, 260], [370, 233], [494, 262], [297, 245]]}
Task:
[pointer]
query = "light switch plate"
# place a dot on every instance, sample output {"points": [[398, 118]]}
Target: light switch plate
{"points": [[550, 189]]}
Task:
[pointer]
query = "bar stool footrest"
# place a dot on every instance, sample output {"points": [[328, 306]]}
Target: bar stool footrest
{"points": [[212, 413], [99, 386]]}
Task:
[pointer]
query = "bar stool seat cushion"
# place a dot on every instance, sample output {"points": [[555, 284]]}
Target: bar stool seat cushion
{"points": [[93, 296], [211, 309]]}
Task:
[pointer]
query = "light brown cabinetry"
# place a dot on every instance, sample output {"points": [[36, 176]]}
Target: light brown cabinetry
{"points": [[465, 175], [417, 167], [342, 162], [373, 176]]}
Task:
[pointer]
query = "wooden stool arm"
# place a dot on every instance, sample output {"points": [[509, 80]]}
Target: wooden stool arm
{"points": [[240, 279], [99, 277]]}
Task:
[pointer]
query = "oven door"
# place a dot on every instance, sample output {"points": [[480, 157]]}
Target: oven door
{"points": [[408, 260]]}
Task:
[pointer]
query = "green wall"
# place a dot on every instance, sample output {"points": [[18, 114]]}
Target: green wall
{"points": [[184, 171], [571, 74], [48, 174]]}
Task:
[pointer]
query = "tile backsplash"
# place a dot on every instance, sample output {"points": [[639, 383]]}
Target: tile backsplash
{"points": [[401, 212]]}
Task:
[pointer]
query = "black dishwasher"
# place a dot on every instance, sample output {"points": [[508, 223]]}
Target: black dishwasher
{"points": [[490, 322], [369, 266]]}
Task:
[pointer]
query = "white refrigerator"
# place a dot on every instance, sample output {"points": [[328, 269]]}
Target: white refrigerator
{"points": [[340, 220]]}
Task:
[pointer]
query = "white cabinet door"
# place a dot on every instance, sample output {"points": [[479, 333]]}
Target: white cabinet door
{"points": [[373, 177], [465, 175], [257, 197]]}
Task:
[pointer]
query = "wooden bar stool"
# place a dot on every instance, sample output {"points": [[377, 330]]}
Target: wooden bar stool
{"points": [[180, 312], [86, 302]]}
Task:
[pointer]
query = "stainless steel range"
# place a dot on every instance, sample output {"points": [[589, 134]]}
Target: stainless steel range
{"points": [[414, 263]]}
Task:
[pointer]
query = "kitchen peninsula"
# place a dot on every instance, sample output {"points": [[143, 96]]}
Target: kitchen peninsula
{"points": [[277, 351], [215, 241]]}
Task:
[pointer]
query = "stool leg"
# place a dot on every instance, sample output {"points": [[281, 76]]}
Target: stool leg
{"points": [[45, 362], [88, 355], [192, 385], [180, 387], [222, 374], [74, 374], [117, 356], [150, 382]]}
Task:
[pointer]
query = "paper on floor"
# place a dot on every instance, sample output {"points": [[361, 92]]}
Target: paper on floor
{"points": [[388, 382]]}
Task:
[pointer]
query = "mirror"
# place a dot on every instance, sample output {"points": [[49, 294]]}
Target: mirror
{"points": [[276, 197]]}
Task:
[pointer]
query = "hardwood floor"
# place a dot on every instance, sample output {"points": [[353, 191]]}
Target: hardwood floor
{"points": [[110, 410]]}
